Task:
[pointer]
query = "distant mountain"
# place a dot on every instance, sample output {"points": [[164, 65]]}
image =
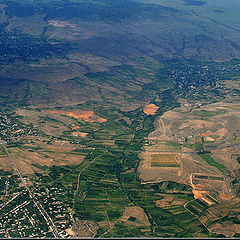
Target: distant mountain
{"points": [[53, 43], [127, 28]]}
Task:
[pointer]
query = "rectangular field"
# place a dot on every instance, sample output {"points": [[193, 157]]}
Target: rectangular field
{"points": [[164, 160]]}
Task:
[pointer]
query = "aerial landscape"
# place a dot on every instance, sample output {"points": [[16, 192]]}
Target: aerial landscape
{"points": [[119, 119]]}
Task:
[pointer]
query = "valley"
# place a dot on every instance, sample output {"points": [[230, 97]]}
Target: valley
{"points": [[119, 119], [125, 172]]}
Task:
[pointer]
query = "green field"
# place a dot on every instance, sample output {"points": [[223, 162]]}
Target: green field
{"points": [[212, 162]]}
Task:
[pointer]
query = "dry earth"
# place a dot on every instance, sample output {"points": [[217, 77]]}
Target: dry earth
{"points": [[87, 116], [150, 109], [216, 124], [138, 213]]}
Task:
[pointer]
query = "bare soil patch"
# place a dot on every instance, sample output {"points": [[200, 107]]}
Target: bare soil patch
{"points": [[87, 116], [86, 229], [29, 160], [136, 216], [150, 109]]}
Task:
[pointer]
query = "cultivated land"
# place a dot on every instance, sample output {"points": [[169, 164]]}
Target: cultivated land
{"points": [[150, 109], [109, 124], [97, 170], [197, 144]]}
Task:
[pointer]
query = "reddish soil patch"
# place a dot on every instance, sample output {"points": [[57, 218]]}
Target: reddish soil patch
{"points": [[150, 109], [75, 127], [81, 134], [206, 134], [198, 194], [87, 116]]}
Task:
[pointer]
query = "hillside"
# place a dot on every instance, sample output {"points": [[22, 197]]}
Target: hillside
{"points": [[58, 46], [119, 118]]}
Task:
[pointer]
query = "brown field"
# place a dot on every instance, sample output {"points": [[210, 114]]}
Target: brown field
{"points": [[28, 160], [138, 213], [219, 211], [5, 163], [225, 158], [52, 129], [206, 134], [52, 125], [84, 229], [161, 147], [150, 109], [169, 201], [149, 174], [158, 167], [234, 107], [87, 116]]}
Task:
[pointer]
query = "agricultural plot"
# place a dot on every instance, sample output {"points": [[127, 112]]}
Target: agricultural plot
{"points": [[164, 160], [136, 216], [150, 109], [4, 161], [87, 116], [40, 157], [212, 162], [89, 164], [205, 135]]}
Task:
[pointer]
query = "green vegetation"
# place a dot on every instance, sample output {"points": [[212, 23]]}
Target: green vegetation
{"points": [[107, 177], [174, 145], [102, 76], [199, 147], [106, 187], [205, 113], [212, 162], [42, 167]]}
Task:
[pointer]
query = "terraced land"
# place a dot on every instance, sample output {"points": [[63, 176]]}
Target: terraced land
{"points": [[164, 160]]}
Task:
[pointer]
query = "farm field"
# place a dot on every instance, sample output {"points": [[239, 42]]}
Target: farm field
{"points": [[150, 109], [164, 160], [149, 163], [206, 160], [88, 116], [119, 119]]}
